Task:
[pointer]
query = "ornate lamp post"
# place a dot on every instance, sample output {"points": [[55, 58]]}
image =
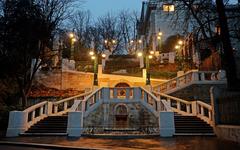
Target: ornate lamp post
{"points": [[94, 57], [147, 57], [73, 40]]}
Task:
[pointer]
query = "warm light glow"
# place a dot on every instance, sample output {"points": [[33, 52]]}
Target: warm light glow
{"points": [[74, 39], [93, 57], [139, 41], [105, 41], [113, 41], [180, 42], [168, 7], [131, 41], [103, 55], [150, 56], [177, 47], [71, 35], [159, 37], [140, 54], [159, 33], [152, 52], [91, 53]]}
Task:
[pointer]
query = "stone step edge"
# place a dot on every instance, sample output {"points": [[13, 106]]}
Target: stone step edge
{"points": [[46, 146]]}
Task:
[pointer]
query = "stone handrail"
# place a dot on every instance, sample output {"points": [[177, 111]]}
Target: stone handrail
{"points": [[161, 105], [20, 121], [65, 105], [190, 77], [36, 112], [191, 108], [121, 95]]}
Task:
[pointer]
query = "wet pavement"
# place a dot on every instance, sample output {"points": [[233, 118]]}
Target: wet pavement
{"points": [[175, 143]]}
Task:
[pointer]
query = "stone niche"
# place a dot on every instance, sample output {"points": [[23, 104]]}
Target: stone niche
{"points": [[121, 116]]}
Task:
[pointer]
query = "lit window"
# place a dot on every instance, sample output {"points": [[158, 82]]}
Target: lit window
{"points": [[168, 7]]}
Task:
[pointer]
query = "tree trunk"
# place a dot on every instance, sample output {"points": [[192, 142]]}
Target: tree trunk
{"points": [[228, 56], [24, 99]]}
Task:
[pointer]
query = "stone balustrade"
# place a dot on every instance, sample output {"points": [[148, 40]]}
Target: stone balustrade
{"points": [[191, 77], [192, 108], [20, 121]]}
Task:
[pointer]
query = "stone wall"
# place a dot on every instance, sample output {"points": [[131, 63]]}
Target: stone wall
{"points": [[138, 116], [228, 132], [65, 80]]}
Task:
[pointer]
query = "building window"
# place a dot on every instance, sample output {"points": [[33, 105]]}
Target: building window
{"points": [[168, 7]]}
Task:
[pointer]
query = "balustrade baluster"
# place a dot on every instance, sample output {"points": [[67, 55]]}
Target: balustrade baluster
{"points": [[188, 108], [33, 116], [209, 115], [65, 105], [41, 110], [178, 105], [202, 110], [127, 93], [115, 92], [55, 109]]}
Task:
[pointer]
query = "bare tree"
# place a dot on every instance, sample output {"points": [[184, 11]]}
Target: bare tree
{"points": [[28, 28]]}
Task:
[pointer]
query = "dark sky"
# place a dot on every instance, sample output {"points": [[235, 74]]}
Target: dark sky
{"points": [[101, 7]]}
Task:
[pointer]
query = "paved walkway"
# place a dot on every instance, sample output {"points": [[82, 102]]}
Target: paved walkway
{"points": [[175, 143]]}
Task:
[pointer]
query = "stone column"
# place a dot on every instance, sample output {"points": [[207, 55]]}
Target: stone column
{"points": [[166, 124], [17, 123], [75, 124]]}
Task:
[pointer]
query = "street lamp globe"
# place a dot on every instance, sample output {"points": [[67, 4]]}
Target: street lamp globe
{"points": [[71, 35], [74, 40], [91, 53], [139, 41], [105, 41], [113, 41], [151, 52], [180, 42], [103, 55], [93, 57], [150, 56], [140, 54], [160, 33], [177, 47]]}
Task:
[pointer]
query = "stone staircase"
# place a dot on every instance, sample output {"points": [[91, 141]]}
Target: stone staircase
{"points": [[191, 125], [52, 125]]}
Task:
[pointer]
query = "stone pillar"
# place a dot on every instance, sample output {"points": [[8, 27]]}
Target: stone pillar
{"points": [[144, 74], [166, 124], [214, 94], [180, 73], [105, 114], [17, 123], [141, 62], [75, 124], [137, 93]]}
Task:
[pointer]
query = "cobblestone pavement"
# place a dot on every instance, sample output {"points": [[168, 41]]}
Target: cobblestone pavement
{"points": [[175, 143]]}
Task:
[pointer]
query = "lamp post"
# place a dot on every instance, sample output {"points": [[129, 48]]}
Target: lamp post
{"points": [[159, 38], [178, 48], [73, 40], [147, 58], [94, 57]]}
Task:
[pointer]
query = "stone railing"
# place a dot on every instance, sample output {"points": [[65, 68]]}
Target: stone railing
{"points": [[191, 108], [191, 77], [159, 108], [20, 121], [121, 95]]}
